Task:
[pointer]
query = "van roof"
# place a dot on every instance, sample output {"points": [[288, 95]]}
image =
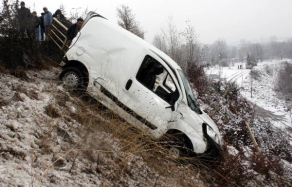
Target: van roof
{"points": [[137, 39]]}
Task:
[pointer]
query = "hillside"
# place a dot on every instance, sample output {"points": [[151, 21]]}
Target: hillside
{"points": [[271, 117], [52, 137]]}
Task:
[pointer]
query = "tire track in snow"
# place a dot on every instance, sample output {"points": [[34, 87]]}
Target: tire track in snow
{"points": [[236, 77], [233, 75]]}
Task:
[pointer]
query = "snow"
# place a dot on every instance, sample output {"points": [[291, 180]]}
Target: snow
{"points": [[264, 94], [37, 149], [229, 74], [41, 150], [272, 123]]}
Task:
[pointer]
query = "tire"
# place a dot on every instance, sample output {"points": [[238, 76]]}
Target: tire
{"points": [[72, 79], [178, 146], [213, 152]]}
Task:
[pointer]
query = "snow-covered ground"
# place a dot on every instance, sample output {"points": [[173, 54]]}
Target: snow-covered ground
{"points": [[46, 146], [48, 150], [264, 94], [273, 122]]}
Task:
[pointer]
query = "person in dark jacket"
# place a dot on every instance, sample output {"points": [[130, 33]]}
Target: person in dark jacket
{"points": [[36, 25], [24, 19], [42, 26], [58, 14], [74, 29]]}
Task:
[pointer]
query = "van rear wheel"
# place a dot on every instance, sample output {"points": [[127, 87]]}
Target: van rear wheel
{"points": [[72, 78]]}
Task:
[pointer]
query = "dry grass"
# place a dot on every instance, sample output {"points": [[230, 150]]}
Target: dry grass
{"points": [[96, 118], [3, 70], [52, 111], [20, 73], [113, 163]]}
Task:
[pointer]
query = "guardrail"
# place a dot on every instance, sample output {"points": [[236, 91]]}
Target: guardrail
{"points": [[57, 34]]}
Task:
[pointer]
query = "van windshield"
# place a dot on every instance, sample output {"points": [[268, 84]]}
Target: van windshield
{"points": [[189, 92]]}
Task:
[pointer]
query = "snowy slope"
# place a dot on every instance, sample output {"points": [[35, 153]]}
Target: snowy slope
{"points": [[43, 143], [272, 124], [264, 94]]}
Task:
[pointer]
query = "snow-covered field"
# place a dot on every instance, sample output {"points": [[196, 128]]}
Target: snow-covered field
{"points": [[273, 120], [270, 103]]}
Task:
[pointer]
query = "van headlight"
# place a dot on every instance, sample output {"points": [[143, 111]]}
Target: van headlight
{"points": [[212, 134]]}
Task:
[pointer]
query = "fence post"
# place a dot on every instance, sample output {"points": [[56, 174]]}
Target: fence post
{"points": [[253, 138]]}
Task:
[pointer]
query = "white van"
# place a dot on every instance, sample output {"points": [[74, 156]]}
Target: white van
{"points": [[140, 83]]}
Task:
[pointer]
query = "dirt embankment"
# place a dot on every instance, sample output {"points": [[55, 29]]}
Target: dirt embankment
{"points": [[52, 137]]}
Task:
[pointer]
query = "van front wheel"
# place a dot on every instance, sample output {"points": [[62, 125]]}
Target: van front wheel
{"points": [[72, 78]]}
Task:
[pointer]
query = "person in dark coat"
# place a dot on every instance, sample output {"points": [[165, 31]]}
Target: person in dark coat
{"points": [[58, 14], [42, 26], [74, 29], [24, 19], [36, 25]]}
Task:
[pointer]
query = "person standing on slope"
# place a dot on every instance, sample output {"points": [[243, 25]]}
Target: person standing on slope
{"points": [[36, 25], [24, 20], [48, 18]]}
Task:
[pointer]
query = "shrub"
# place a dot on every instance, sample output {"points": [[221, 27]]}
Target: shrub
{"points": [[269, 70], [285, 79], [255, 74], [17, 48], [198, 78]]}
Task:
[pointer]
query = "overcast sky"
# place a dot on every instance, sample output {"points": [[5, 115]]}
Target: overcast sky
{"points": [[231, 20]]}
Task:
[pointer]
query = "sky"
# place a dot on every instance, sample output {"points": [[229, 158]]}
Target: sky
{"points": [[231, 20]]}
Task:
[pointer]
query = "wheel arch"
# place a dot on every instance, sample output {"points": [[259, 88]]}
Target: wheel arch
{"points": [[79, 65], [182, 135], [194, 133]]}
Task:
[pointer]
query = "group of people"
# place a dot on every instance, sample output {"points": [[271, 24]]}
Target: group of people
{"points": [[37, 27], [31, 24]]}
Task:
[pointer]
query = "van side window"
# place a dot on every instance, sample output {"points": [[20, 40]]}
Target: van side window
{"points": [[156, 78]]}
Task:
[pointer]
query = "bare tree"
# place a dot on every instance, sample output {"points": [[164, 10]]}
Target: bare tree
{"points": [[257, 51], [219, 52], [193, 53], [169, 40], [191, 44], [184, 48], [205, 54], [63, 9], [127, 21], [159, 42], [75, 13], [172, 37]]}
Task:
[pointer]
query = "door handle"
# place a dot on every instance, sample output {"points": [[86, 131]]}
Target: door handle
{"points": [[181, 116], [129, 84]]}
